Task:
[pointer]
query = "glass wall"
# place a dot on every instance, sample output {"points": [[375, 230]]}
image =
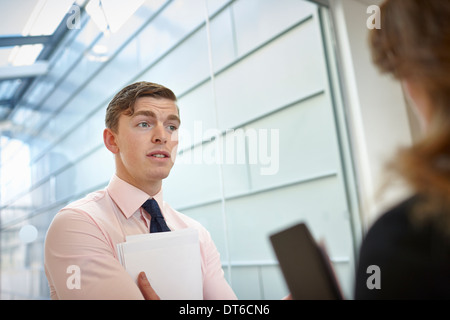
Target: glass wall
{"points": [[262, 144]]}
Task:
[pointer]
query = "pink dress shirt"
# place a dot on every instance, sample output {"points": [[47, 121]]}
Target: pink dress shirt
{"points": [[81, 260]]}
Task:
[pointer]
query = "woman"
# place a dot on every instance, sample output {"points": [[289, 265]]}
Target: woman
{"points": [[410, 244]]}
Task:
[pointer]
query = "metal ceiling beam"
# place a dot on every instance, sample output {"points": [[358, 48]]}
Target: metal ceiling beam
{"points": [[21, 72], [11, 41], [6, 102]]}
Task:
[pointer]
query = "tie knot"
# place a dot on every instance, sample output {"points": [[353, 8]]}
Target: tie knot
{"points": [[151, 206], [157, 223]]}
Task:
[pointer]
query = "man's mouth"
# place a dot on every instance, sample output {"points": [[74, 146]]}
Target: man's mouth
{"points": [[159, 154]]}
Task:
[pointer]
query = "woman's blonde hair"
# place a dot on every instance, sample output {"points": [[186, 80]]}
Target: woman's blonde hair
{"points": [[414, 43]]}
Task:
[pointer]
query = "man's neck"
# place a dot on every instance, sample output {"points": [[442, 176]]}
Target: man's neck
{"points": [[149, 187]]}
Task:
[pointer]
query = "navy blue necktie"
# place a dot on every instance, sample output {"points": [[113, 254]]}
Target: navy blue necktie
{"points": [[157, 224]]}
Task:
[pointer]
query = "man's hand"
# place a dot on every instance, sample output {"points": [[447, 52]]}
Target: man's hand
{"points": [[145, 287]]}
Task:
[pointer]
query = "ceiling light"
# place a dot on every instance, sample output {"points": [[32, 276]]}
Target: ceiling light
{"points": [[98, 53]]}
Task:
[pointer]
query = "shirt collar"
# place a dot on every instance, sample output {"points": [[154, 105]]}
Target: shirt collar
{"points": [[128, 197]]}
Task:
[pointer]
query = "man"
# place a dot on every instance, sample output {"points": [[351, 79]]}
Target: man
{"points": [[141, 131]]}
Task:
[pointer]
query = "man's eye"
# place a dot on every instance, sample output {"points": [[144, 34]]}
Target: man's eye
{"points": [[172, 128], [143, 124]]}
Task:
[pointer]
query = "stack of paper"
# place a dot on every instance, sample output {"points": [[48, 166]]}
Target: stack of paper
{"points": [[171, 261]]}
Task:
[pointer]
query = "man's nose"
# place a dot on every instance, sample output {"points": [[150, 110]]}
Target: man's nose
{"points": [[159, 135]]}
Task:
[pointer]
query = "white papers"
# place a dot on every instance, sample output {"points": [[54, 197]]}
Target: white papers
{"points": [[171, 261]]}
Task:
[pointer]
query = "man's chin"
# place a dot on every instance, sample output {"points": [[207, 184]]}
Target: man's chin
{"points": [[156, 175]]}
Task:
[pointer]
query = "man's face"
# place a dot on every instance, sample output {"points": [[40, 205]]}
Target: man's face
{"points": [[147, 142]]}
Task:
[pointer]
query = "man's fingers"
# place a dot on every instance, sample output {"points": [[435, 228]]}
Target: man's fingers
{"points": [[145, 287]]}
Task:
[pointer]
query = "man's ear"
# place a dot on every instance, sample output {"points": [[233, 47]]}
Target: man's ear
{"points": [[109, 138]]}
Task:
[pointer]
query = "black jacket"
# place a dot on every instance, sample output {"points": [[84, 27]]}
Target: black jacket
{"points": [[414, 262]]}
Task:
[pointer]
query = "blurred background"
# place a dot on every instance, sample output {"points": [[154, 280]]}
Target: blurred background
{"points": [[280, 84]]}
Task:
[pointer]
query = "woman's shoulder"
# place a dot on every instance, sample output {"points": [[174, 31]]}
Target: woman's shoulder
{"points": [[396, 218], [396, 228]]}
